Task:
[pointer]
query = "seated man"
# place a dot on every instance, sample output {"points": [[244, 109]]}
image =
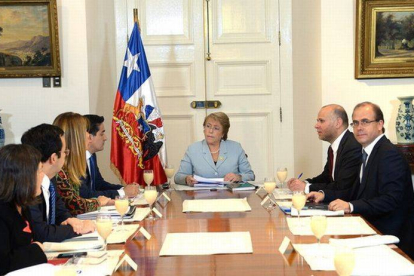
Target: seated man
{"points": [[344, 153], [52, 221], [383, 192], [94, 184]]}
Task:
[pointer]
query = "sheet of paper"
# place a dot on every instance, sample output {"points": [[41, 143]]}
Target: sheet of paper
{"points": [[365, 241], [116, 235], [315, 212], [282, 193], [139, 201], [107, 210], [178, 187], [206, 243], [41, 269], [376, 260], [208, 180], [88, 265], [71, 246], [217, 205], [336, 226]]}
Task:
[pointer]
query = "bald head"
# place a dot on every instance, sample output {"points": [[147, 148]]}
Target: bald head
{"points": [[331, 122]]}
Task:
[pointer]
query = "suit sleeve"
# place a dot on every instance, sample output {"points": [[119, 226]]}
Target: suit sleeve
{"points": [[347, 173], [44, 232], [86, 192], [245, 169], [391, 182], [322, 178], [186, 168]]}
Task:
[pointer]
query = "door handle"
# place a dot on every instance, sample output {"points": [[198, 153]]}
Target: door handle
{"points": [[205, 104]]}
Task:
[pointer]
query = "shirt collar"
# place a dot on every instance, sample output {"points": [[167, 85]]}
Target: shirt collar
{"points": [[45, 183], [335, 144], [88, 155], [368, 149]]}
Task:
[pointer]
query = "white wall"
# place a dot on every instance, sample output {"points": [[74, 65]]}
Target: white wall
{"points": [[26, 103], [307, 82]]}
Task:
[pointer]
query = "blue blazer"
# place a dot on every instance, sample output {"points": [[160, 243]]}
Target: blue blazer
{"points": [[198, 160]]}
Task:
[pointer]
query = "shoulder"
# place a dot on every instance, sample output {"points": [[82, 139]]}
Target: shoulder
{"points": [[233, 145], [196, 147], [349, 141], [62, 175]]}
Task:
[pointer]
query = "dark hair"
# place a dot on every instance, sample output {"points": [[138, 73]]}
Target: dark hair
{"points": [[94, 122], [223, 119], [18, 174], [45, 138], [379, 116]]}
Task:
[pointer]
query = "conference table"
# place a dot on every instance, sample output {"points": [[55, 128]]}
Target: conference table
{"points": [[267, 230]]}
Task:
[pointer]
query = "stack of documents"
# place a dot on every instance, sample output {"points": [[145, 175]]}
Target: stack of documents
{"points": [[178, 187], [206, 243], [336, 226], [281, 194], [74, 246], [286, 207], [116, 235], [209, 182], [107, 210], [365, 241], [217, 205], [375, 260]]}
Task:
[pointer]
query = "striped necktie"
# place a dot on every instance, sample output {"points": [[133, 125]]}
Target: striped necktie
{"points": [[52, 204], [92, 164]]}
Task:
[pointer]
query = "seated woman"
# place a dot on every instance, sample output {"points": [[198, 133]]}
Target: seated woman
{"points": [[68, 179], [215, 156], [21, 177]]}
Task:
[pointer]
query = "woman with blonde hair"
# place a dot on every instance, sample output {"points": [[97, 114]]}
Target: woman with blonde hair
{"points": [[68, 179]]}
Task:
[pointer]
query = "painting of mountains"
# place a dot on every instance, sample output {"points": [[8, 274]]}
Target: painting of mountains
{"points": [[24, 36]]}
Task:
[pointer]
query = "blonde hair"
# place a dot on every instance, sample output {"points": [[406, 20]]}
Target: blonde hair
{"points": [[75, 126], [223, 119]]}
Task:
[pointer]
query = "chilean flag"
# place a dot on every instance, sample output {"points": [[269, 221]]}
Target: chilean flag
{"points": [[137, 128]]}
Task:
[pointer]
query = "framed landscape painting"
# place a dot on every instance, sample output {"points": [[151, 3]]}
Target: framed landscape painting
{"points": [[29, 39], [384, 39]]}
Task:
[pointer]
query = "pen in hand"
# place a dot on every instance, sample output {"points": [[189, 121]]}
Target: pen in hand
{"points": [[300, 175]]}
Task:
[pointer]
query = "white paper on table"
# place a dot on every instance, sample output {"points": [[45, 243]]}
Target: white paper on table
{"points": [[335, 226], [375, 260], [140, 214], [116, 236], [178, 187], [41, 269], [73, 246], [86, 265], [282, 193], [365, 241], [217, 205], [105, 210], [316, 212], [209, 180], [139, 201], [206, 243]]}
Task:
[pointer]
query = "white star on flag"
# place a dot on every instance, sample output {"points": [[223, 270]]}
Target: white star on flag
{"points": [[131, 63]]}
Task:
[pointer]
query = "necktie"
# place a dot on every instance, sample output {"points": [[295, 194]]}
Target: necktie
{"points": [[330, 158], [364, 162], [52, 204], [92, 164]]}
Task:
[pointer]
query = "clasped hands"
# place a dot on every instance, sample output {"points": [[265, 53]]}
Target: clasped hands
{"points": [[336, 205]]}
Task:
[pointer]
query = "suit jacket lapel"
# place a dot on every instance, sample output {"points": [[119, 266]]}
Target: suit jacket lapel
{"points": [[223, 154], [339, 152], [207, 155]]}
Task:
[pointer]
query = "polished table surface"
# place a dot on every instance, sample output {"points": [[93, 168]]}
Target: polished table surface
{"points": [[267, 231]]}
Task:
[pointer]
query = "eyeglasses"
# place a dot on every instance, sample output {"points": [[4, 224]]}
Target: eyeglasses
{"points": [[363, 123], [214, 128]]}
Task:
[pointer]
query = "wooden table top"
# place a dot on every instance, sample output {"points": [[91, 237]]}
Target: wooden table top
{"points": [[267, 232]]}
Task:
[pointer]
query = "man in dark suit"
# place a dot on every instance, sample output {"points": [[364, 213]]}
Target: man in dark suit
{"points": [[52, 221], [344, 153], [383, 192], [94, 184]]}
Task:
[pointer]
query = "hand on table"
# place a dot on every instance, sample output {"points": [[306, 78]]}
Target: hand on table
{"points": [[315, 197], [190, 180], [338, 205], [232, 177]]}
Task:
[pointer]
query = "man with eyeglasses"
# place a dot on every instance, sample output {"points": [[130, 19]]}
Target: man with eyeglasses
{"points": [[383, 192], [344, 153], [52, 221]]}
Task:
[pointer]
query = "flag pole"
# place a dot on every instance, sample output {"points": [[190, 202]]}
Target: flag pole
{"points": [[136, 20]]}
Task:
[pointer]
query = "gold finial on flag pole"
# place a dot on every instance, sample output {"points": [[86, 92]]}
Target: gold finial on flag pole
{"points": [[136, 20]]}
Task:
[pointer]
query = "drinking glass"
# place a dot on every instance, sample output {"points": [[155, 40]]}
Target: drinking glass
{"points": [[281, 175], [104, 227], [344, 260], [148, 176], [122, 206], [169, 172], [298, 201], [150, 195], [318, 226], [269, 186]]}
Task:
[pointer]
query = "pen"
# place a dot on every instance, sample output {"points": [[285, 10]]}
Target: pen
{"points": [[300, 175]]}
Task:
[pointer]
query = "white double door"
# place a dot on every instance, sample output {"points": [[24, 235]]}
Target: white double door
{"points": [[242, 37]]}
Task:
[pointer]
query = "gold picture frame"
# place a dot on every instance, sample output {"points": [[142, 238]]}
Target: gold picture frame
{"points": [[29, 39], [384, 41]]}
